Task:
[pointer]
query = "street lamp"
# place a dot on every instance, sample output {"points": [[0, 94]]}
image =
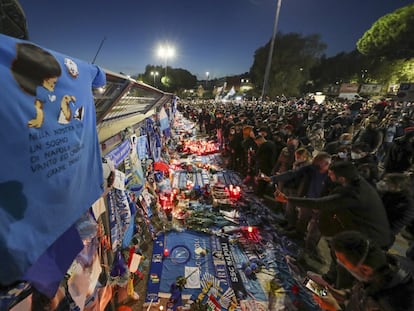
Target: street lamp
{"points": [[154, 74], [272, 44], [166, 51], [207, 76]]}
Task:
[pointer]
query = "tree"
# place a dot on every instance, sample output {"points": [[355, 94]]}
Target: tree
{"points": [[359, 68], [182, 79], [391, 35], [177, 78], [343, 67], [293, 57]]}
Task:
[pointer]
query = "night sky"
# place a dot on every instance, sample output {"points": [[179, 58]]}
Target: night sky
{"points": [[218, 36]]}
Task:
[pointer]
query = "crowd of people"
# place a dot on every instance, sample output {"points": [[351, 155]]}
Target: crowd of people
{"points": [[343, 171]]}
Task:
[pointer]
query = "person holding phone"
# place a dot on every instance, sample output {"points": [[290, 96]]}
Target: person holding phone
{"points": [[383, 281]]}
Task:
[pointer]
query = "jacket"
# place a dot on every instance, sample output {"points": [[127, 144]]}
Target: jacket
{"points": [[392, 290], [356, 206], [298, 179]]}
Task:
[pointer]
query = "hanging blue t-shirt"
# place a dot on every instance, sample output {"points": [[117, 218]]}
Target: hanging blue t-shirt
{"points": [[51, 169]]}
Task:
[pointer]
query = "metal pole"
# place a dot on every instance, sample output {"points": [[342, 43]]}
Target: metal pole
{"points": [[166, 66], [99, 49], [272, 44]]}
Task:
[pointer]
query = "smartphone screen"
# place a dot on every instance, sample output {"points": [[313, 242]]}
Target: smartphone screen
{"points": [[315, 287]]}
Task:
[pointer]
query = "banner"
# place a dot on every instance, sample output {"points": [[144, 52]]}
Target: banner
{"points": [[119, 153], [119, 216], [156, 268], [135, 176], [164, 121], [219, 262], [233, 273], [182, 248], [51, 169], [142, 147], [349, 88]]}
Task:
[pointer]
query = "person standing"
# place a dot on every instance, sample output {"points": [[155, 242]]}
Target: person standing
{"points": [[264, 161]]}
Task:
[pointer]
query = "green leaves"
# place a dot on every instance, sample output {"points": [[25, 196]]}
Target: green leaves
{"points": [[391, 35]]}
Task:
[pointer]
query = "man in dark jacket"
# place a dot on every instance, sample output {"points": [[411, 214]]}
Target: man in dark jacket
{"points": [[370, 135], [264, 161], [353, 205], [385, 282], [397, 196], [309, 182], [400, 156], [356, 201]]}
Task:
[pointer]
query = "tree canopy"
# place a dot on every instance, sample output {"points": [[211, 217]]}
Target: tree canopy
{"points": [[177, 78], [292, 59], [391, 35]]}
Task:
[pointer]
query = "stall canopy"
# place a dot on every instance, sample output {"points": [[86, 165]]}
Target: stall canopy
{"points": [[123, 103]]}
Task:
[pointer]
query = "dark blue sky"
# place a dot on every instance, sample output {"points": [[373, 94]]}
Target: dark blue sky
{"points": [[218, 36]]}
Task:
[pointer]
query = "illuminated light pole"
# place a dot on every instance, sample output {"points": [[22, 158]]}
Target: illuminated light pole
{"points": [[207, 76], [165, 52], [272, 44], [154, 74]]}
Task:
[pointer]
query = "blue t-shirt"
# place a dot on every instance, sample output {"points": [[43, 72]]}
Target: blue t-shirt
{"points": [[51, 173]]}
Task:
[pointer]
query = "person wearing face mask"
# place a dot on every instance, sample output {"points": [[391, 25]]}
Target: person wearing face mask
{"points": [[333, 147], [360, 155], [383, 282], [343, 153]]}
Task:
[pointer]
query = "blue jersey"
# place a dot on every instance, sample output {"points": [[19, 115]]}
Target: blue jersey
{"points": [[50, 171]]}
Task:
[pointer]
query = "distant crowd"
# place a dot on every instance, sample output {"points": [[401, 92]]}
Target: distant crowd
{"points": [[343, 171]]}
